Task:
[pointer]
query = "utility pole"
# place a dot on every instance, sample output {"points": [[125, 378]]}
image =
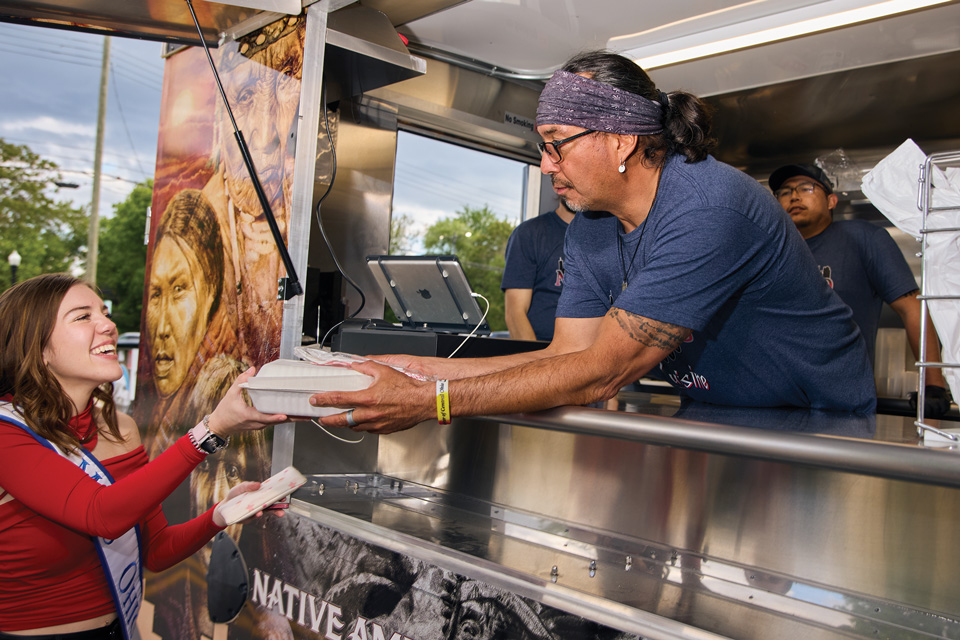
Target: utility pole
{"points": [[93, 231]]}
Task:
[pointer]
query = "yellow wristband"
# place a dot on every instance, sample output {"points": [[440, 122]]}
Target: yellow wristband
{"points": [[443, 402]]}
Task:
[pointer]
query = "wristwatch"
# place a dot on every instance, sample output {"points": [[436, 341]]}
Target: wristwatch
{"points": [[207, 441]]}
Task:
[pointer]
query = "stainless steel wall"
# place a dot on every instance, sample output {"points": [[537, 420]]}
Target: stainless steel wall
{"points": [[469, 108], [449, 103], [356, 213]]}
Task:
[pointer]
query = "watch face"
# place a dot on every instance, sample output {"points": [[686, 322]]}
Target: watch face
{"points": [[212, 443]]}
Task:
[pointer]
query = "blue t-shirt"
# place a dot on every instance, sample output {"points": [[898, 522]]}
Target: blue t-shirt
{"points": [[534, 260], [865, 267], [717, 254]]}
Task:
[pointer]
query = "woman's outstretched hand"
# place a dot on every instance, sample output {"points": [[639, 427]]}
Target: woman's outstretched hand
{"points": [[233, 415], [240, 489]]}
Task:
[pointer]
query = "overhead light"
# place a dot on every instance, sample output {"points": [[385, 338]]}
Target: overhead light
{"points": [[763, 30]]}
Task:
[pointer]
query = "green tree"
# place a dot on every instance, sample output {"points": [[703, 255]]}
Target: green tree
{"points": [[122, 259], [478, 238], [401, 236], [48, 234]]}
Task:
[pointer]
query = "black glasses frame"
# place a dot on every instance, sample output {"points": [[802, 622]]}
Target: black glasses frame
{"points": [[784, 192], [542, 146]]}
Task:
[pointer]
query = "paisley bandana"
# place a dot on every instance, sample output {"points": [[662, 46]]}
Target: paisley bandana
{"points": [[571, 99]]}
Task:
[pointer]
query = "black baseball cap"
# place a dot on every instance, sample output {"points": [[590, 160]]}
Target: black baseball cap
{"points": [[781, 175]]}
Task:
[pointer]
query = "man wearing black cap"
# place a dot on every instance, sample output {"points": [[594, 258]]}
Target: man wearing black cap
{"points": [[861, 262]]}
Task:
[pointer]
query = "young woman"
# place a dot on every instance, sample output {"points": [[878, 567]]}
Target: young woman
{"points": [[79, 502]]}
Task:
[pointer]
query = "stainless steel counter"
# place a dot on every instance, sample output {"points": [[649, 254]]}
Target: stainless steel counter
{"points": [[669, 521]]}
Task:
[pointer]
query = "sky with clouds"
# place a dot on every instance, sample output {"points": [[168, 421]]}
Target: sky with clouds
{"points": [[51, 88], [51, 81], [434, 180]]}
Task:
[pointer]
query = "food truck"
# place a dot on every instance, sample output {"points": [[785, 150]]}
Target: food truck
{"points": [[647, 518]]}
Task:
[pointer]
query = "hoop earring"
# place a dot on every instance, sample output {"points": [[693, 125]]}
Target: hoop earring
{"points": [[622, 168]]}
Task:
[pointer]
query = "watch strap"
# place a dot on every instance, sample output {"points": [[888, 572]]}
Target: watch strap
{"points": [[206, 441]]}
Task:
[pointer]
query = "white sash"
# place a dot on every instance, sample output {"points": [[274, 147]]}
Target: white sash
{"points": [[120, 557]]}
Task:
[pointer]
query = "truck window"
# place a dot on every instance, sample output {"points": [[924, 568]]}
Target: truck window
{"points": [[450, 199]]}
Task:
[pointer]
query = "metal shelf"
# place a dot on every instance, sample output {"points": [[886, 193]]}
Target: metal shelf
{"points": [[934, 164]]}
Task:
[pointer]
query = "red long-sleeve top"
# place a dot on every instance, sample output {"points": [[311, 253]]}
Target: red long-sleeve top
{"points": [[49, 509]]}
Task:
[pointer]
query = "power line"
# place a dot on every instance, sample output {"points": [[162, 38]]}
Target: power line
{"points": [[460, 193], [70, 43], [26, 33], [127, 76], [87, 172], [132, 73], [66, 59], [56, 48], [157, 61], [41, 143], [74, 51], [139, 68], [126, 129], [455, 190]]}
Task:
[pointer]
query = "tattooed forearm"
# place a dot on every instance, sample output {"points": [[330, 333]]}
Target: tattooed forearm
{"points": [[649, 332]]}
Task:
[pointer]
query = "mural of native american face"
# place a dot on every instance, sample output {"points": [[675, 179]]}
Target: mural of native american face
{"points": [[262, 84], [178, 306]]}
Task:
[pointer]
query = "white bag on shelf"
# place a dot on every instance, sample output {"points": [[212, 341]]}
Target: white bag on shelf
{"points": [[943, 279], [893, 186]]}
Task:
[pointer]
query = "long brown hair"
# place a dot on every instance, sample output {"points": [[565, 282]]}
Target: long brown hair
{"points": [[28, 314]]}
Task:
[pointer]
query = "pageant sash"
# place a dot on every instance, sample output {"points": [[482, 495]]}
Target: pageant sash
{"points": [[120, 557]]}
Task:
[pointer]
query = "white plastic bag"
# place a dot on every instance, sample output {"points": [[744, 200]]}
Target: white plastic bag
{"points": [[893, 186], [943, 279], [341, 359]]}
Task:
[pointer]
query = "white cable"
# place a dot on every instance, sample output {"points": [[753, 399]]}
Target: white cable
{"points": [[324, 429], [482, 318]]}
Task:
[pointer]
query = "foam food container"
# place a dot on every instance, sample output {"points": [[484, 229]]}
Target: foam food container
{"points": [[271, 490], [285, 386]]}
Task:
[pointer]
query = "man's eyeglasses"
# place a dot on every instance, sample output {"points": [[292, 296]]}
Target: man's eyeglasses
{"points": [[552, 149], [803, 189]]}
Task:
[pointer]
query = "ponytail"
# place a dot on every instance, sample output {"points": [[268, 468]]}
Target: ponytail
{"points": [[686, 129], [686, 118]]}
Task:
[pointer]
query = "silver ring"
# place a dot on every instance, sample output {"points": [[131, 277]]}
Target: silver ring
{"points": [[350, 421]]}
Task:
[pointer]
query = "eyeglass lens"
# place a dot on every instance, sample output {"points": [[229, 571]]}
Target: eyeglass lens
{"points": [[805, 188], [552, 149]]}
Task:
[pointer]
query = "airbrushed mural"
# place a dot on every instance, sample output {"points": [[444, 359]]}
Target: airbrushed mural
{"points": [[210, 300], [211, 312]]}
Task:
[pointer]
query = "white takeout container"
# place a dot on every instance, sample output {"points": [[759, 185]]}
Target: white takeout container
{"points": [[285, 386]]}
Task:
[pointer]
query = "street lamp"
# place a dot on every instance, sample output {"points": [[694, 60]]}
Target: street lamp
{"points": [[14, 260]]}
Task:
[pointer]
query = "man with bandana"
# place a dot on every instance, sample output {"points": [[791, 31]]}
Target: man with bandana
{"points": [[695, 274]]}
